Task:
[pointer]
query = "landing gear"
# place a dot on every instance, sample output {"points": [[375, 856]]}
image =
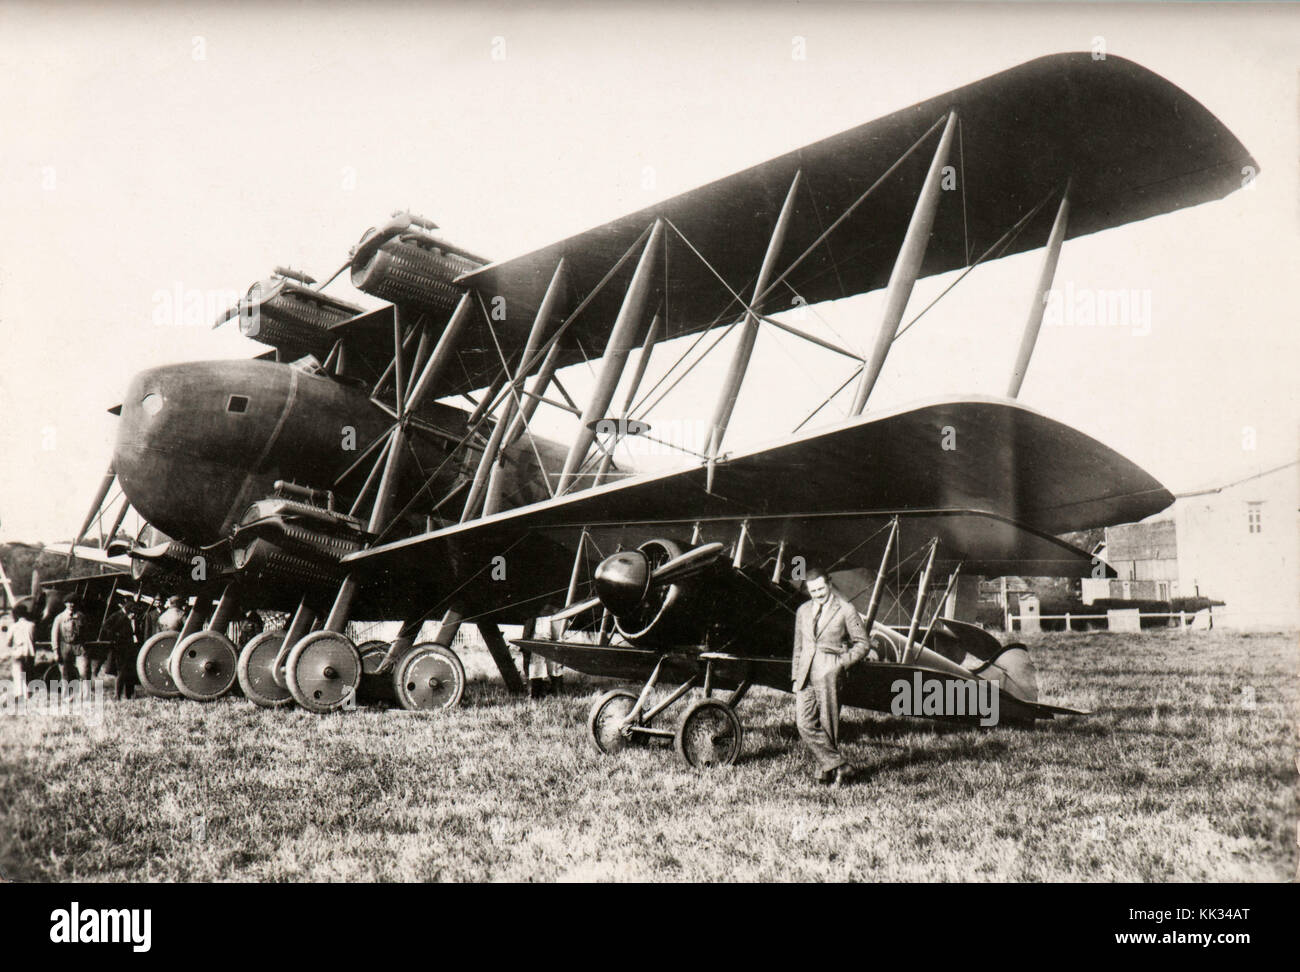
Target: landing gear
{"points": [[709, 734], [151, 665], [608, 722], [323, 672], [376, 680], [256, 671], [203, 665], [429, 677]]}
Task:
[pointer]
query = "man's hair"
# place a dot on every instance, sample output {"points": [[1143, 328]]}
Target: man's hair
{"points": [[72, 600], [21, 613], [812, 573]]}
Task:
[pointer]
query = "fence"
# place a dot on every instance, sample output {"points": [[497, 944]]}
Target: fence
{"points": [[1120, 620]]}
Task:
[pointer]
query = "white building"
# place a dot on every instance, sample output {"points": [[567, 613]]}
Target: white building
{"points": [[1238, 543]]}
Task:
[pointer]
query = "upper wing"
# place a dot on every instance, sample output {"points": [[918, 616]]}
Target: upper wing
{"points": [[1132, 144], [1014, 478]]}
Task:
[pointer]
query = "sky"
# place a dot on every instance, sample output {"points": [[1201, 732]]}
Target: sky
{"points": [[148, 152]]}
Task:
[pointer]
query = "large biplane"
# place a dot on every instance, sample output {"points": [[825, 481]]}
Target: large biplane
{"points": [[336, 478]]}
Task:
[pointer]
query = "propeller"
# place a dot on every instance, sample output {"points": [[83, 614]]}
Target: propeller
{"points": [[669, 572], [688, 563], [372, 241], [229, 314], [573, 610]]}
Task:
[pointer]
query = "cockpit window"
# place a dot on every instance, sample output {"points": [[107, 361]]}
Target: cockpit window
{"points": [[310, 364], [151, 403], [237, 403]]}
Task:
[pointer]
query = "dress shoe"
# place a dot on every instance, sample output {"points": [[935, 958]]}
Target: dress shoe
{"points": [[825, 776], [557, 684], [536, 688], [842, 775]]}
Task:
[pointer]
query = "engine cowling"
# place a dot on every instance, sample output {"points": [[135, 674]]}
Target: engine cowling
{"points": [[712, 605], [283, 314], [286, 540], [403, 262]]}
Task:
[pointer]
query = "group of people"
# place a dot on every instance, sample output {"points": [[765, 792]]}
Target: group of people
{"points": [[113, 653], [78, 655]]}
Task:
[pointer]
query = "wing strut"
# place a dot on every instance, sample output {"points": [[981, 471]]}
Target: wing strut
{"points": [[408, 403], [642, 362], [1045, 278], [920, 601], [740, 361], [615, 357], [96, 510], [874, 605], [532, 398], [938, 607], [492, 453], [907, 266]]}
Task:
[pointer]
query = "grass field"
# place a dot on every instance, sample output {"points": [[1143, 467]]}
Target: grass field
{"points": [[1185, 773]]}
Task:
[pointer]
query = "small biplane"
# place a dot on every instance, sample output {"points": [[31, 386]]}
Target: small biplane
{"points": [[335, 477]]}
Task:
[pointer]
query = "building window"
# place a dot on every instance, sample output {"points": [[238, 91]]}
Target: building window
{"points": [[237, 403], [1255, 517]]}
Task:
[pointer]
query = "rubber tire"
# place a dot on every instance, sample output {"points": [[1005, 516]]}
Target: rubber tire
{"points": [[402, 677], [374, 689], [689, 730], [305, 651], [601, 714], [176, 661], [164, 687], [270, 696]]}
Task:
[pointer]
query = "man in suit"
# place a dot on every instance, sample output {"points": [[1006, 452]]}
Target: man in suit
{"points": [[828, 638]]}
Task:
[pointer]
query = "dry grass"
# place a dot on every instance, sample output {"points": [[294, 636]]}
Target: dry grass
{"points": [[1175, 778]]}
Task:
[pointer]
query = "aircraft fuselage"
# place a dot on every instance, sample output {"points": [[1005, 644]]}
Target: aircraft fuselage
{"points": [[198, 442]]}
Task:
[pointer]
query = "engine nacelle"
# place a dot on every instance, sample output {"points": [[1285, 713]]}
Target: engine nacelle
{"points": [[718, 606], [171, 563], [288, 540], [404, 263], [284, 314]]}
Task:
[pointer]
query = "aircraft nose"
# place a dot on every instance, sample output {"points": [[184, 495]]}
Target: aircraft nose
{"points": [[184, 441], [622, 580]]}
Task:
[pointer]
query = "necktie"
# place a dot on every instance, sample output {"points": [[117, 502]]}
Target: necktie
{"points": [[817, 617]]}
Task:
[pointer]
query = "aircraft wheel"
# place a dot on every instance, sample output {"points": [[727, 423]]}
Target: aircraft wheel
{"points": [[255, 670], [203, 664], [429, 677], [709, 734], [375, 686], [151, 665], [606, 720], [323, 671], [49, 673]]}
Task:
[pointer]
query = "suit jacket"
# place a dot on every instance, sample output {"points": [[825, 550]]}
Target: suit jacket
{"points": [[839, 631]]}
